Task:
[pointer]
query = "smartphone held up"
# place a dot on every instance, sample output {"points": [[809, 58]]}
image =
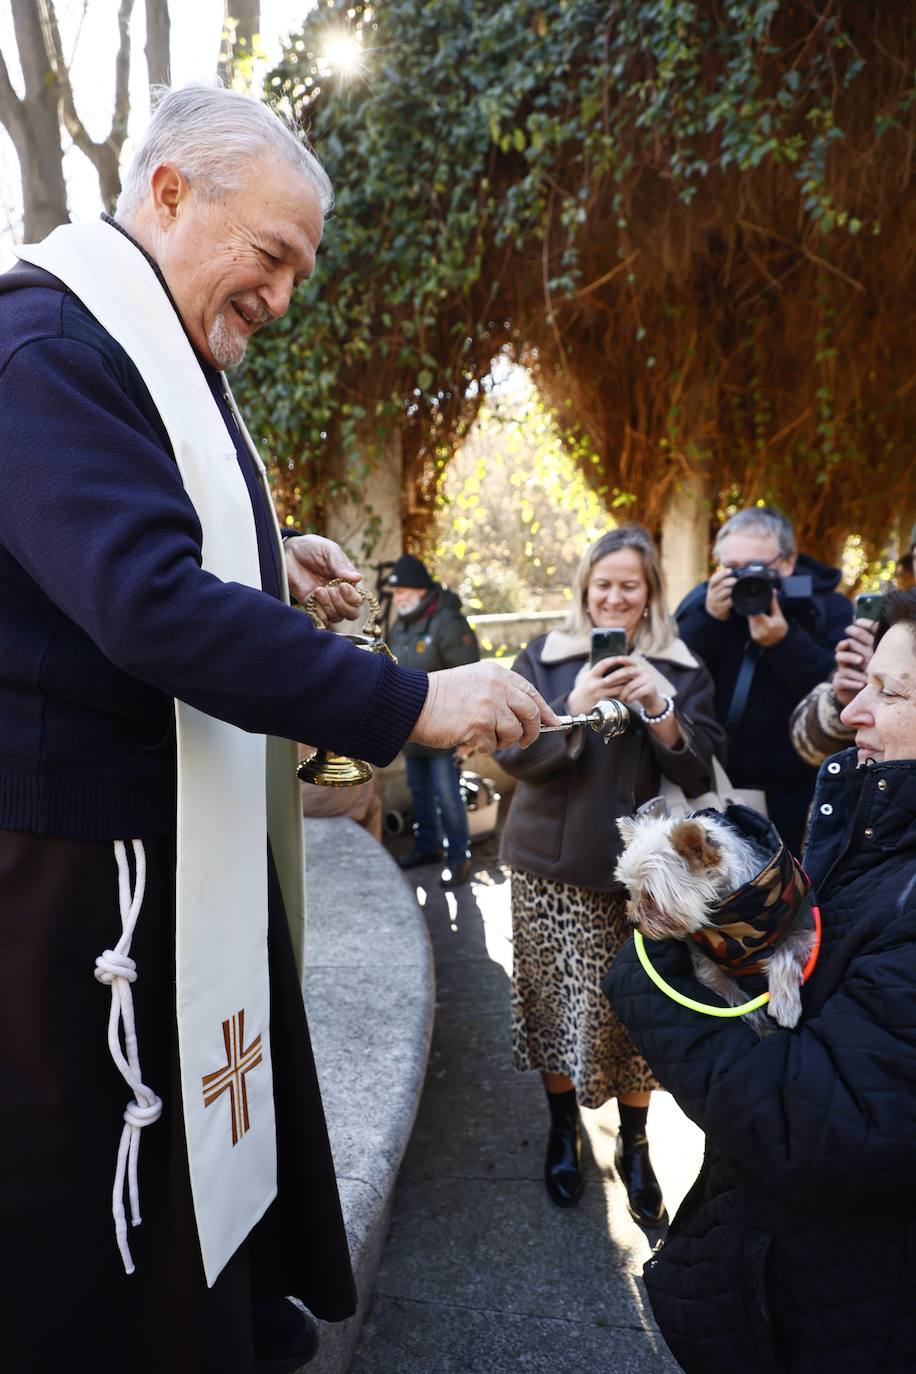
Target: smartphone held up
{"points": [[868, 606], [608, 643]]}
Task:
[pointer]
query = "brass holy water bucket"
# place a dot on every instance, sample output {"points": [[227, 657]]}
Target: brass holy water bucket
{"points": [[324, 768]]}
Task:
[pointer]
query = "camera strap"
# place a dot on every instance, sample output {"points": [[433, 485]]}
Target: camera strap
{"points": [[738, 703]]}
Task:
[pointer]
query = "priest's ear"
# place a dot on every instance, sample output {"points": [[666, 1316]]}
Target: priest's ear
{"points": [[169, 189]]}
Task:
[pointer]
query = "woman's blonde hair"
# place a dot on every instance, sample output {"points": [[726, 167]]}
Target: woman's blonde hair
{"points": [[657, 629]]}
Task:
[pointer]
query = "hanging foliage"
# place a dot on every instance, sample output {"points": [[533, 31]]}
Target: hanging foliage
{"points": [[693, 222]]}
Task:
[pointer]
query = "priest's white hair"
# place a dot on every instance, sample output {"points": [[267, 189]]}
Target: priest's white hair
{"points": [[215, 137]]}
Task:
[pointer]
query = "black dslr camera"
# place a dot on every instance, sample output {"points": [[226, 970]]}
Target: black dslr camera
{"points": [[755, 584]]}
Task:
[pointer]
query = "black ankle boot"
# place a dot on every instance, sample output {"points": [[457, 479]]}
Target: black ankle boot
{"points": [[644, 1196], [563, 1165]]}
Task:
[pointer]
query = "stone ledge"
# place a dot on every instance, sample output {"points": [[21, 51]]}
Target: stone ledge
{"points": [[369, 995]]}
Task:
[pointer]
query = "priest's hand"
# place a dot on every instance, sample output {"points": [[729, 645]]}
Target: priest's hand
{"points": [[480, 707], [312, 561]]}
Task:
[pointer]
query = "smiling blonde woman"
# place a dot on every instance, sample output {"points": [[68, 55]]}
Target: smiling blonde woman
{"points": [[561, 843]]}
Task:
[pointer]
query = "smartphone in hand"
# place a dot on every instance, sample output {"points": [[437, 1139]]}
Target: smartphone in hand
{"points": [[868, 607], [610, 643]]}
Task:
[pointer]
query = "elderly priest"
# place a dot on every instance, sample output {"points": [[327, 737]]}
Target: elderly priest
{"points": [[156, 1061]]}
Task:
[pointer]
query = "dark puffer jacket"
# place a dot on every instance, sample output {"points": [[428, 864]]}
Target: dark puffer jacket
{"points": [[433, 636], [795, 1251]]}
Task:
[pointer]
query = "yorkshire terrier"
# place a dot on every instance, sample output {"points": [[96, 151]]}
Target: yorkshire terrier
{"points": [[725, 885]]}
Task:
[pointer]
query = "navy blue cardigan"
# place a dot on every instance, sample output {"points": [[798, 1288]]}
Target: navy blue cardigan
{"points": [[106, 614]]}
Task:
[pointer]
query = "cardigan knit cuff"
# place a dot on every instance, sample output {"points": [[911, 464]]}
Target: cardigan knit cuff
{"points": [[398, 701]]}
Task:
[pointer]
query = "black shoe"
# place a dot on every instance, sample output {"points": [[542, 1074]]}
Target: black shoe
{"points": [[644, 1196], [563, 1165], [454, 877], [285, 1336], [416, 857]]}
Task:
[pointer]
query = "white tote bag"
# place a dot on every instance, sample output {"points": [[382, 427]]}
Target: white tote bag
{"points": [[678, 804]]}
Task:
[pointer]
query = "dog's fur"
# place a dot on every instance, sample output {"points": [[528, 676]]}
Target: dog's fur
{"points": [[676, 872]]}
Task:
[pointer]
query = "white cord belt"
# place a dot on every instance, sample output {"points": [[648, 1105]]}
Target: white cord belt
{"points": [[116, 968]]}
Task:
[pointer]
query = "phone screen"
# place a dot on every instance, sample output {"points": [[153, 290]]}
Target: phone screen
{"points": [[610, 643]]}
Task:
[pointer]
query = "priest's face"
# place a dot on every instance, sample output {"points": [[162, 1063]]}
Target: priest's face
{"points": [[232, 264]]}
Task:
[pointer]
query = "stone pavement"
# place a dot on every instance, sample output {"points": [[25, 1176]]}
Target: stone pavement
{"points": [[482, 1274]]}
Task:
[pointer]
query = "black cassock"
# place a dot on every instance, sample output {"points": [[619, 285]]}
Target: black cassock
{"points": [[64, 1295]]}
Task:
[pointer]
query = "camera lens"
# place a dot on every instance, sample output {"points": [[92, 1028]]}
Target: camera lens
{"points": [[752, 593]]}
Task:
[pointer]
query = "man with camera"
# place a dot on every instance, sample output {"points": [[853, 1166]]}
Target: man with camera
{"points": [[766, 623]]}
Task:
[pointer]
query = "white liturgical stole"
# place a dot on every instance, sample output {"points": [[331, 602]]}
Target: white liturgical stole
{"points": [[232, 786]]}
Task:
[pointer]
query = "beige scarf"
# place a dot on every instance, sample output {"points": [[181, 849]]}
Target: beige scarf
{"points": [[232, 786]]}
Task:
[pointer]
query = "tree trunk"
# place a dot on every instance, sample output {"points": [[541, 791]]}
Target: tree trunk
{"points": [[157, 42], [371, 526], [685, 538], [241, 23], [44, 191], [105, 155], [32, 123]]}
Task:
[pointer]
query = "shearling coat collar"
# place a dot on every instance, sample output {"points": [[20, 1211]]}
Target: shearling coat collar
{"points": [[560, 645], [572, 786]]}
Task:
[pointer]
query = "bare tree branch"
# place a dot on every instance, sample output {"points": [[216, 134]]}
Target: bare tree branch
{"points": [[105, 155], [157, 42], [32, 123], [33, 58], [122, 76], [12, 109]]}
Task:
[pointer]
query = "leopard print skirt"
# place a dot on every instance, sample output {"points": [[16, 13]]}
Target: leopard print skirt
{"points": [[565, 939]]}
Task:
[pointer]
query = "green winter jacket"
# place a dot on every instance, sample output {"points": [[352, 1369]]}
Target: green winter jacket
{"points": [[433, 636]]}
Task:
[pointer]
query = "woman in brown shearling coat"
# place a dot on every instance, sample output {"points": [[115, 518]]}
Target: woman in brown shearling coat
{"points": [[561, 843]]}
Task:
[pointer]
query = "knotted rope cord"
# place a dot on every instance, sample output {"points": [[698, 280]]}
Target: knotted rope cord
{"points": [[116, 968]]}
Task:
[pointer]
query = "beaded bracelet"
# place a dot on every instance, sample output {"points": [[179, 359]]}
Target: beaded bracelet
{"points": [[662, 715]]}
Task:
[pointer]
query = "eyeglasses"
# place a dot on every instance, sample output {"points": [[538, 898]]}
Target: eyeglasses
{"points": [[733, 567]]}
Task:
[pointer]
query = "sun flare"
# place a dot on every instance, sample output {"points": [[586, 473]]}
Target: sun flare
{"points": [[343, 54]]}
